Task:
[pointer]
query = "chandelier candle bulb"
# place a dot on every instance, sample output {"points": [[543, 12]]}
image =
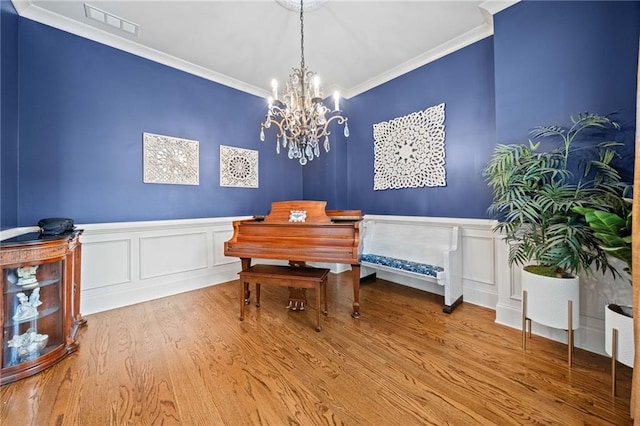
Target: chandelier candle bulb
{"points": [[336, 98], [274, 86], [316, 86]]}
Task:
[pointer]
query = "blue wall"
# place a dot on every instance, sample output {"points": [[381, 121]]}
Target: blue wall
{"points": [[464, 81], [552, 60], [555, 59], [8, 115], [83, 110]]}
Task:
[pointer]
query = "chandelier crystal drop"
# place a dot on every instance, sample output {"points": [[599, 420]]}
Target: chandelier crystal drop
{"points": [[299, 116]]}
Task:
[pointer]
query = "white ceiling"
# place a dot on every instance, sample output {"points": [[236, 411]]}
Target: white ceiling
{"points": [[352, 45]]}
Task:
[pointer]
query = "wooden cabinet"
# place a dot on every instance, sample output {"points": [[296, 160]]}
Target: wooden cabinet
{"points": [[40, 308]]}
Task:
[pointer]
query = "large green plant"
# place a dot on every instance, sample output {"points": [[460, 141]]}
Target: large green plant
{"points": [[613, 232], [535, 193]]}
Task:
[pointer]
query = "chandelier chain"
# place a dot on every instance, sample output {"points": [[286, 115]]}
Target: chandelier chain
{"points": [[302, 34]]}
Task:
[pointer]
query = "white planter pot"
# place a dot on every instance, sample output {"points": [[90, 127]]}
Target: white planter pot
{"points": [[547, 300], [626, 345]]}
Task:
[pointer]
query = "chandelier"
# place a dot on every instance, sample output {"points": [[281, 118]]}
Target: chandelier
{"points": [[300, 118]]}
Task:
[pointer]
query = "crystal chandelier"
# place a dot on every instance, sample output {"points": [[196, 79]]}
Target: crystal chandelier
{"points": [[302, 121]]}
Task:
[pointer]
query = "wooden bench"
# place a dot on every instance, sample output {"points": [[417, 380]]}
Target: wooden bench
{"points": [[417, 247], [284, 276]]}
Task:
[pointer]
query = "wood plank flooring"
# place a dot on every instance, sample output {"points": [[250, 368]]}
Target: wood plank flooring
{"points": [[188, 360]]}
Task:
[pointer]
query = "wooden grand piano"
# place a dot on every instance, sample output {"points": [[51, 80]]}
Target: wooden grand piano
{"points": [[301, 231]]}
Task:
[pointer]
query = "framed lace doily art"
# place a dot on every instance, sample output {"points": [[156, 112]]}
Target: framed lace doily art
{"points": [[170, 160], [238, 167], [409, 151]]}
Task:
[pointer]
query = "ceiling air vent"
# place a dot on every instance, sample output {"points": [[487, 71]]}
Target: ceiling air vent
{"points": [[111, 20]]}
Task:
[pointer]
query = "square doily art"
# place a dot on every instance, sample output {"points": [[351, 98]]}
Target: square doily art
{"points": [[409, 151], [170, 160], [238, 167]]}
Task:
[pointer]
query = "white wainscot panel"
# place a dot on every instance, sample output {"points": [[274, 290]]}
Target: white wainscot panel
{"points": [[105, 263], [172, 254], [219, 238], [478, 259]]}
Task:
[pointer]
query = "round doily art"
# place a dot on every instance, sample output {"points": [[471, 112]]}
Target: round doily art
{"points": [[409, 151], [238, 167]]}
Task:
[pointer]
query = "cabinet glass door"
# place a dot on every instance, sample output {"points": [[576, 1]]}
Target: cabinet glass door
{"points": [[32, 323]]}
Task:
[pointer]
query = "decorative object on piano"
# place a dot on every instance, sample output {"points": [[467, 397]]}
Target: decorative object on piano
{"points": [[27, 276], [238, 167], [27, 306], [29, 345], [302, 120], [297, 216], [409, 151], [170, 160]]}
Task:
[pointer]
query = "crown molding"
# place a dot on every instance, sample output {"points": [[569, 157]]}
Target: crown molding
{"points": [[27, 10], [488, 9], [481, 32], [495, 6]]}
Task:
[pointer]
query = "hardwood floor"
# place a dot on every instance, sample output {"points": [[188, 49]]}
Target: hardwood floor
{"points": [[188, 360]]}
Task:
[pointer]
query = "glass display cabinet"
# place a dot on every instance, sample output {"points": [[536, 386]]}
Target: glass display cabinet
{"points": [[40, 302]]}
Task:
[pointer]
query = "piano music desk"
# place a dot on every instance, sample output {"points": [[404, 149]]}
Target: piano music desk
{"points": [[285, 276]]}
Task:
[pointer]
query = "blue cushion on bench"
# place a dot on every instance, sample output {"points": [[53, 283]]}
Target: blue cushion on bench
{"points": [[419, 268]]}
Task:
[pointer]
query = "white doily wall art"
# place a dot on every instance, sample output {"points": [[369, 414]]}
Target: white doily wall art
{"points": [[170, 160], [409, 151], [238, 167]]}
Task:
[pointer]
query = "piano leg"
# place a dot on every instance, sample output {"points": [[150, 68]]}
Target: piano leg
{"points": [[242, 299], [355, 278], [246, 264], [247, 294]]}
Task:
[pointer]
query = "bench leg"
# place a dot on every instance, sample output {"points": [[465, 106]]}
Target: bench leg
{"points": [[242, 299], [258, 295], [318, 328], [324, 287], [449, 308]]}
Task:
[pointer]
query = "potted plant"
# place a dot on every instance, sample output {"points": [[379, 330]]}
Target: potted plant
{"points": [[613, 231], [535, 193]]}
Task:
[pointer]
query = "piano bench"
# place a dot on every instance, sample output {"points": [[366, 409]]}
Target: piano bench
{"points": [[285, 276]]}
